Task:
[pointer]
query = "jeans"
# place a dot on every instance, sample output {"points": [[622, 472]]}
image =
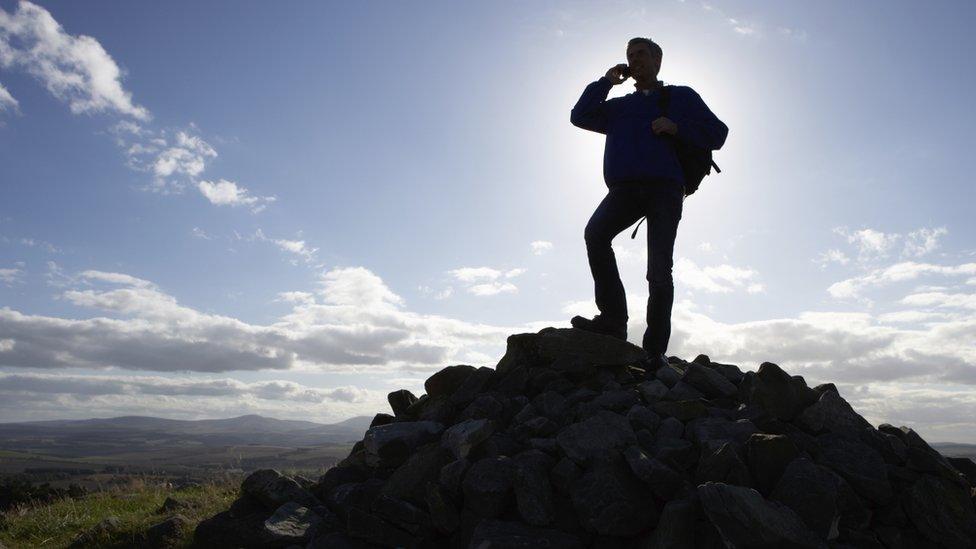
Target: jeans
{"points": [[661, 201]]}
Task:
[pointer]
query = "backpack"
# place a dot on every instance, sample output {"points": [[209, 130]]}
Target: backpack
{"points": [[695, 162]]}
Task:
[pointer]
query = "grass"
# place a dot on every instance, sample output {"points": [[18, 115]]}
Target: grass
{"points": [[57, 524]]}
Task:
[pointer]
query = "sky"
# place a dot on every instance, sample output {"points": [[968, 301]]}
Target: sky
{"points": [[210, 209]]}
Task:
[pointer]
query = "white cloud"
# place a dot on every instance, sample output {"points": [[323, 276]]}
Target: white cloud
{"points": [[717, 279], [7, 101], [305, 298], [75, 69], [228, 193], [492, 288], [831, 256], [942, 300], [540, 247], [485, 281], [705, 247], [871, 244], [905, 270], [355, 322], [584, 307], [10, 275], [923, 241], [200, 233], [116, 278], [297, 247]]}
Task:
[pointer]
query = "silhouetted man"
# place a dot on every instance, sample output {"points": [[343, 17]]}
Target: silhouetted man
{"points": [[644, 178]]}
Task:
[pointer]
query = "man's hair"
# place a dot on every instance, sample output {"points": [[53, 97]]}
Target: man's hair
{"points": [[655, 49]]}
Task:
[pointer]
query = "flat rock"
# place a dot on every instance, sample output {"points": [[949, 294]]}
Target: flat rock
{"points": [[448, 380], [833, 414], [552, 344], [711, 383], [273, 489], [461, 438], [291, 523], [744, 519], [595, 436], [610, 501], [390, 445]]}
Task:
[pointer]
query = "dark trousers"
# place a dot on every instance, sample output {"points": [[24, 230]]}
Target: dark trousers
{"points": [[661, 201]]}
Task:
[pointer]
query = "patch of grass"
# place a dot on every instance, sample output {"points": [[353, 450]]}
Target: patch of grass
{"points": [[57, 524]]}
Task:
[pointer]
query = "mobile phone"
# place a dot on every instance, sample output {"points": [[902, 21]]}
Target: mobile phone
{"points": [[625, 72]]}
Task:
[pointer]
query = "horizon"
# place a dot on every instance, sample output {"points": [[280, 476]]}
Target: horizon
{"points": [[274, 214]]}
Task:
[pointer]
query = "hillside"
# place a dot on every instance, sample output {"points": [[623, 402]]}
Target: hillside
{"points": [[569, 442]]}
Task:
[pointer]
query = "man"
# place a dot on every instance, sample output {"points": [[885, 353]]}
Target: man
{"points": [[644, 178]]}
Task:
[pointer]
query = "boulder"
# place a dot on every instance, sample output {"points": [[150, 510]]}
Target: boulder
{"points": [[487, 486], [611, 501], [448, 380], [552, 344], [290, 524], [460, 439], [496, 534], [744, 519], [390, 445], [273, 489], [595, 436], [711, 383]]}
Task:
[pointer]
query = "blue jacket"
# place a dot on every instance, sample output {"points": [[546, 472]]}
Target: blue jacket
{"points": [[632, 151]]}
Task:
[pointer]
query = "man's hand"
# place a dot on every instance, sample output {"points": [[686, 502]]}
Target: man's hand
{"points": [[664, 125], [614, 74]]}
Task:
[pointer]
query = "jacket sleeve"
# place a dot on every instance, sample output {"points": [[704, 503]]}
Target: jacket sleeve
{"points": [[590, 112], [697, 124]]}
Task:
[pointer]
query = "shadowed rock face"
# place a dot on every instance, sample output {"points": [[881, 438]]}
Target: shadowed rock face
{"points": [[568, 442]]}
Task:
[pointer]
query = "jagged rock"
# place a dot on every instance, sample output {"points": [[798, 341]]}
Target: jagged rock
{"points": [[768, 456], [858, 464], [273, 489], [373, 529], [683, 391], [358, 495], [402, 514], [610, 501], [473, 386], [487, 486], [668, 375], [832, 413], [496, 534], [682, 410], [652, 391], [290, 524], [443, 514], [400, 401], [811, 492], [552, 344], [564, 474], [533, 493], [172, 504], [381, 419], [463, 437], [410, 480], [390, 445], [641, 417], [942, 512], [745, 519], [448, 380], [676, 528], [101, 529], [781, 395], [723, 465], [671, 428], [662, 480], [711, 383], [566, 444], [167, 533], [240, 526], [710, 433], [595, 436]]}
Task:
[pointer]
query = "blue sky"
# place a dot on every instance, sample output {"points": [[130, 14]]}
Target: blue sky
{"points": [[209, 209]]}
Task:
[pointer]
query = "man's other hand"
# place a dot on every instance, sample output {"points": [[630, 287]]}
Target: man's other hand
{"points": [[614, 74], [664, 125]]}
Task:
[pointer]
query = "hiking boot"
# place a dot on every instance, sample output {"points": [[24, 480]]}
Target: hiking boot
{"points": [[652, 364], [600, 326]]}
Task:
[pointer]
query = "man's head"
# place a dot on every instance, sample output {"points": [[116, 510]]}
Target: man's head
{"points": [[644, 59]]}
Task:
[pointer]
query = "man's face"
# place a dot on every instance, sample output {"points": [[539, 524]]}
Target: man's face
{"points": [[644, 66]]}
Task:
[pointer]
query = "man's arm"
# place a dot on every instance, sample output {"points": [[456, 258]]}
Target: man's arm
{"points": [[590, 112], [697, 124]]}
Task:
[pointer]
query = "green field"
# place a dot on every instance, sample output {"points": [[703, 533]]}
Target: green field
{"points": [[135, 505]]}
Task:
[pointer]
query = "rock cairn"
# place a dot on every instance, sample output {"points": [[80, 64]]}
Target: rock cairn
{"points": [[569, 443]]}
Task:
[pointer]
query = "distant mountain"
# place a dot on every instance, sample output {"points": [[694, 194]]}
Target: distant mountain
{"points": [[119, 434]]}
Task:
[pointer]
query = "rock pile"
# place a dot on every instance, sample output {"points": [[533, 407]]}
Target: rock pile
{"points": [[569, 443]]}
